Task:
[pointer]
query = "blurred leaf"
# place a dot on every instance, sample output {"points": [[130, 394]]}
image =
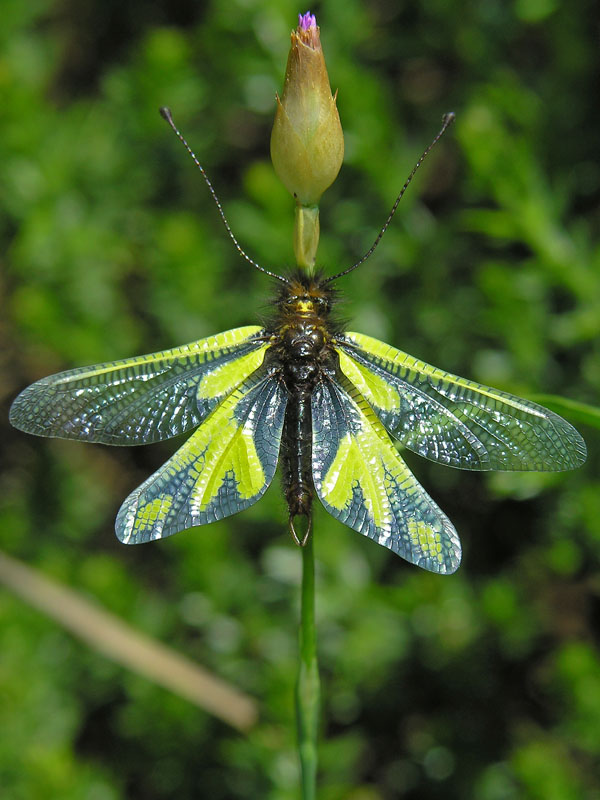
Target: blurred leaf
{"points": [[571, 409]]}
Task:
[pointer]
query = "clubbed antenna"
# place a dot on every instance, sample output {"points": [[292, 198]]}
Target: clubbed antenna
{"points": [[447, 120], [166, 114]]}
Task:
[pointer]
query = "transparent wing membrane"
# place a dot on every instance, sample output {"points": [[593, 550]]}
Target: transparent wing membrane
{"points": [[455, 421], [143, 399]]}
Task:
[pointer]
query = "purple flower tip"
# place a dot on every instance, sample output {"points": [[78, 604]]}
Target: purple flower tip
{"points": [[307, 21]]}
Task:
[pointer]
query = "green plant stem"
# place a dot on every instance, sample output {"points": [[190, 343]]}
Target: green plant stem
{"points": [[307, 688]]}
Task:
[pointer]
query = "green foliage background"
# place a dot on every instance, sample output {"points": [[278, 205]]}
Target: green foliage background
{"points": [[481, 685]]}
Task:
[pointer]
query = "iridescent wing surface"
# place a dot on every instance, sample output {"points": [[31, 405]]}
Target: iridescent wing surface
{"points": [[454, 421], [224, 467], [362, 481], [143, 399]]}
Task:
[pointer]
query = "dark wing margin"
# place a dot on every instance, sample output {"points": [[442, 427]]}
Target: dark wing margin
{"points": [[454, 421], [362, 481], [142, 399], [224, 467]]}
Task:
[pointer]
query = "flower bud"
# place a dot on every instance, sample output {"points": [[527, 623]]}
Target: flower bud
{"points": [[307, 143]]}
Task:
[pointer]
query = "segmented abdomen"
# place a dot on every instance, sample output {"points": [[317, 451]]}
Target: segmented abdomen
{"points": [[296, 453]]}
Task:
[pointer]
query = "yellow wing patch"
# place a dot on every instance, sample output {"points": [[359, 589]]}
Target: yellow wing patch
{"points": [[221, 380], [371, 385], [153, 512], [360, 462], [224, 446]]}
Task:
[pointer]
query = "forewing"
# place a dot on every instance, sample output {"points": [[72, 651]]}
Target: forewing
{"points": [[455, 421], [362, 481], [224, 467], [142, 399]]}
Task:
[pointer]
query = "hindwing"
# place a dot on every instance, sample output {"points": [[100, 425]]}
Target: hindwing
{"points": [[143, 399], [224, 467], [362, 481], [455, 421]]}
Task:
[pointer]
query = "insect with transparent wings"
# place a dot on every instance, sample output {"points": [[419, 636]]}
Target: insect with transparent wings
{"points": [[324, 403]]}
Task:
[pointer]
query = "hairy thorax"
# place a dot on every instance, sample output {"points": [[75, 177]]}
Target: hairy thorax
{"points": [[303, 333]]}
